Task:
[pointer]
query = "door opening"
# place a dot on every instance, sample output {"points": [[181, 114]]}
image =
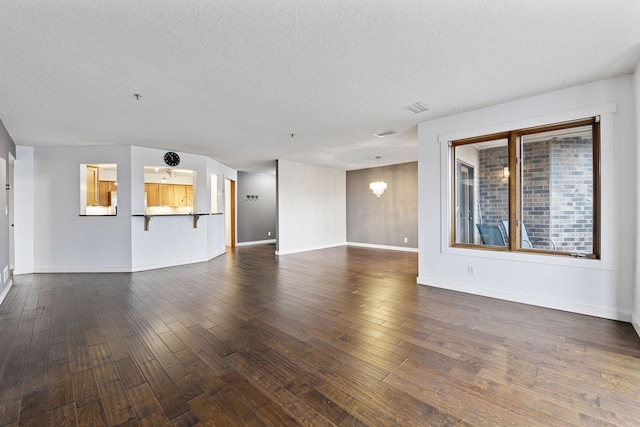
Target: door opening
{"points": [[465, 203], [230, 212]]}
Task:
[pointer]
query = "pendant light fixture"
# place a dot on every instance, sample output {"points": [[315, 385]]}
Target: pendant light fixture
{"points": [[378, 187]]}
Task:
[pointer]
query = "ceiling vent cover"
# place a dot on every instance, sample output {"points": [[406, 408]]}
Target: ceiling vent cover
{"points": [[416, 108], [386, 133]]}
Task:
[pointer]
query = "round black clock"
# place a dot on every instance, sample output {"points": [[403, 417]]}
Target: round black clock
{"points": [[172, 159]]}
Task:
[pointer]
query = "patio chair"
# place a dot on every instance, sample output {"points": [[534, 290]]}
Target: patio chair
{"points": [[491, 235], [526, 242]]}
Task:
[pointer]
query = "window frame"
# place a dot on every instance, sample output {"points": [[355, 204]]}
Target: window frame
{"points": [[514, 148]]}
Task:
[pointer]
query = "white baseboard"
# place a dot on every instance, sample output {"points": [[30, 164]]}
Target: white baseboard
{"points": [[589, 310], [4, 293], [635, 321], [309, 248], [127, 269], [81, 269], [256, 242], [390, 248], [146, 267]]}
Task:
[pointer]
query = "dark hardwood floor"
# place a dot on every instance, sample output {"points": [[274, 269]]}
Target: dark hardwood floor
{"points": [[342, 336]]}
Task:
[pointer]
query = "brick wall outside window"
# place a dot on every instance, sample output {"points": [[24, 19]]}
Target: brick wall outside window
{"points": [[557, 191]]}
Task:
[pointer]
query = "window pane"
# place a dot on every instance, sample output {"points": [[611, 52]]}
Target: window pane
{"points": [[557, 190], [482, 193]]}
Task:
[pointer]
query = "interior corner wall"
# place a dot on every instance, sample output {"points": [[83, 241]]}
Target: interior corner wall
{"points": [[7, 147], [389, 219], [256, 207], [635, 318], [24, 212], [216, 224], [311, 207], [602, 287]]}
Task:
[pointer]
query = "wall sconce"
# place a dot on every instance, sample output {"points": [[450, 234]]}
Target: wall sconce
{"points": [[505, 172]]}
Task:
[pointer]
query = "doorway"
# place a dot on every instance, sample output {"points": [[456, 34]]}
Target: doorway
{"points": [[465, 203], [12, 254], [230, 210]]}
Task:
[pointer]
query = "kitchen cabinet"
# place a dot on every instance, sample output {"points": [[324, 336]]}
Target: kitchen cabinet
{"points": [[169, 194], [104, 190], [92, 186], [166, 195], [183, 195], [153, 194]]}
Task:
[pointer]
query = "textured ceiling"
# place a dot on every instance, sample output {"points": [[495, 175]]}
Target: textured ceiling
{"points": [[233, 79]]}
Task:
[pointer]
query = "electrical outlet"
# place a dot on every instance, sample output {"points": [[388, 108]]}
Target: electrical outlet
{"points": [[406, 240], [269, 233], [471, 270]]}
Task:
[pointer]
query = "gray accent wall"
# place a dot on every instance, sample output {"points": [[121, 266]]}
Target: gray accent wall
{"points": [[386, 220], [256, 207]]}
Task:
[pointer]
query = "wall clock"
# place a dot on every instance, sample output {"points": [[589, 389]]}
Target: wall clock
{"points": [[172, 159]]}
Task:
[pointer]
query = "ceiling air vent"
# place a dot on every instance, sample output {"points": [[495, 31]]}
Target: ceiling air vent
{"points": [[385, 133], [416, 108]]}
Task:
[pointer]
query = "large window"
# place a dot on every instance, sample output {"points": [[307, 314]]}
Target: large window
{"points": [[533, 190]]}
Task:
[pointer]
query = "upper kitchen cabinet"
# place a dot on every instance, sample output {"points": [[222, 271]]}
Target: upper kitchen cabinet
{"points": [[98, 189], [169, 191]]}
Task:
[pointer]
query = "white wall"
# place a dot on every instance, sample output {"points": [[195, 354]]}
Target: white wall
{"points": [[24, 210], [172, 240], [636, 309], [597, 287], [217, 239], [311, 207], [64, 240], [52, 236]]}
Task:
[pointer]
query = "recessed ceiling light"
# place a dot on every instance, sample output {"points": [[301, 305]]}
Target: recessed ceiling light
{"points": [[385, 133], [416, 108]]}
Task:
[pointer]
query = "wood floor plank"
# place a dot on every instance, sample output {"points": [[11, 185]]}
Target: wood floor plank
{"points": [[10, 400], [85, 388], [35, 401], [116, 404], [185, 382], [274, 415], [92, 415], [117, 346], [188, 419], [209, 412], [147, 334], [205, 376], [340, 336], [238, 411], [170, 398], [147, 407], [60, 390], [129, 372], [63, 416], [139, 350]]}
